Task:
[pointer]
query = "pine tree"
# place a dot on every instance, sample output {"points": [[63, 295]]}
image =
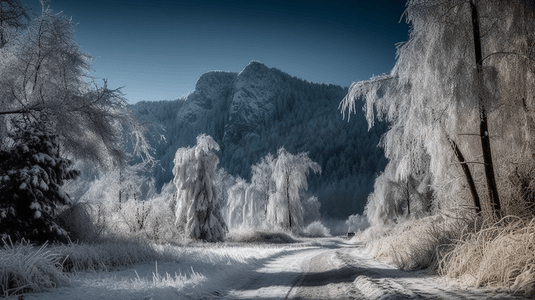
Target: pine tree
{"points": [[32, 173]]}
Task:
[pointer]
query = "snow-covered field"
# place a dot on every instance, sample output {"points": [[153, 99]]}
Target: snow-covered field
{"points": [[326, 268]]}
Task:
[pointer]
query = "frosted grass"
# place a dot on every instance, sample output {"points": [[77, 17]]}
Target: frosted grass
{"points": [[500, 255], [411, 244], [24, 268], [109, 265], [496, 255]]}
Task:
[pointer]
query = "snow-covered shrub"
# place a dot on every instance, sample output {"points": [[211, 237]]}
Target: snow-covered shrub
{"points": [[316, 229], [32, 173], [77, 221], [198, 211], [246, 235], [356, 222]]}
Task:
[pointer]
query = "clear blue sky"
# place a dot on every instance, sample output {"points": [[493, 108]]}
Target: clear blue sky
{"points": [[158, 49]]}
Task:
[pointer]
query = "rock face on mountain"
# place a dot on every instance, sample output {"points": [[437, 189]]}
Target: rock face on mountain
{"points": [[261, 109], [255, 94]]}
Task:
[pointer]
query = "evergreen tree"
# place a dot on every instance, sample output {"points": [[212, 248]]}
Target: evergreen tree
{"points": [[32, 173]]}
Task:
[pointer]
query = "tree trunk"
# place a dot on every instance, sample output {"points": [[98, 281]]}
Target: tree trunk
{"points": [[467, 174], [120, 187], [483, 122], [288, 198], [408, 199]]}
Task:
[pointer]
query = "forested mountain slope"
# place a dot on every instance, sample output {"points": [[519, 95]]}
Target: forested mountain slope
{"points": [[261, 109]]}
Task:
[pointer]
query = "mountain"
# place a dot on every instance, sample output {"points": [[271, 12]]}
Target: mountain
{"points": [[261, 109]]}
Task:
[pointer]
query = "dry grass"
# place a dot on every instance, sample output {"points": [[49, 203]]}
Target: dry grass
{"points": [[500, 255], [412, 244], [481, 254]]}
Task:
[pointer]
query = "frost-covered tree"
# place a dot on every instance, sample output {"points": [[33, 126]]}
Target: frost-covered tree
{"points": [[13, 16], [198, 211], [236, 203], [254, 209], [262, 182], [461, 91], [311, 210], [46, 90], [46, 75], [32, 174], [285, 208], [224, 181], [112, 195], [393, 199]]}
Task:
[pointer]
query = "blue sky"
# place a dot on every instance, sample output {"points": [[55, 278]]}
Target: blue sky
{"points": [[158, 49]]}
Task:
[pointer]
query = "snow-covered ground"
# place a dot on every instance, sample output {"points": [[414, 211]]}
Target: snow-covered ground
{"points": [[328, 268]]}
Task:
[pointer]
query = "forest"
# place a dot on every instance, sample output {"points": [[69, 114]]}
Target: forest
{"points": [[252, 161]]}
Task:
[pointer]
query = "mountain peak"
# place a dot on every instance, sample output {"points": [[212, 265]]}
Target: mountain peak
{"points": [[212, 78], [254, 68]]}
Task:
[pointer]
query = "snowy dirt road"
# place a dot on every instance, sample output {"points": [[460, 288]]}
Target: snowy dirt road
{"points": [[342, 270], [329, 268]]}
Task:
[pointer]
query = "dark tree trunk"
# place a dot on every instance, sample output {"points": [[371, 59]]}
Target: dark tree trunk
{"points": [[483, 122], [408, 198], [288, 198], [467, 174]]}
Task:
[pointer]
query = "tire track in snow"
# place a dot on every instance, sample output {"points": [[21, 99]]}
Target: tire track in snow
{"points": [[275, 279]]}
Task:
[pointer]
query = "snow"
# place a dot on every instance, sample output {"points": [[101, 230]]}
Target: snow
{"points": [[35, 205], [327, 268]]}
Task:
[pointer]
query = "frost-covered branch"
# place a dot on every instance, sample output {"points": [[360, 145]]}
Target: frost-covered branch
{"points": [[45, 74]]}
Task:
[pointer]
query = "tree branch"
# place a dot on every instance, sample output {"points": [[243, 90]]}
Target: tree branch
{"points": [[505, 53]]}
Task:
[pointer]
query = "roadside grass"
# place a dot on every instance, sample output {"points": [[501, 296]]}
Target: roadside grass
{"points": [[498, 255], [25, 268], [411, 244]]}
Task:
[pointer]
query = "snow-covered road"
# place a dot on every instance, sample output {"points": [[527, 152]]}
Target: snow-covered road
{"points": [[341, 270], [331, 268]]}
